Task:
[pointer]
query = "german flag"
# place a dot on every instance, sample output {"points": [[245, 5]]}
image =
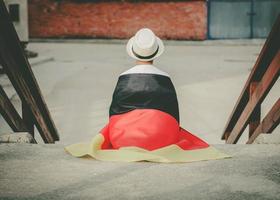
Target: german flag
{"points": [[144, 124]]}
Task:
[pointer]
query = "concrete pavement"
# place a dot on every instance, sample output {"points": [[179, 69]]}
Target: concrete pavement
{"points": [[35, 172], [78, 78]]}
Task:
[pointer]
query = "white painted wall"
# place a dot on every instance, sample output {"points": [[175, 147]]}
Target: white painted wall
{"points": [[21, 26]]}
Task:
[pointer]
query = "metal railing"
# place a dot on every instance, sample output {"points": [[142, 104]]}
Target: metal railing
{"points": [[18, 70], [248, 107]]}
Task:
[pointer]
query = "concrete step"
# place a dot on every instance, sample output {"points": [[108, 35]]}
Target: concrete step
{"points": [[30, 171]]}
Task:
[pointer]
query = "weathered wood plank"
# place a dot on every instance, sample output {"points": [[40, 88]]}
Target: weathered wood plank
{"points": [[10, 114], [267, 53], [1, 67], [269, 123], [256, 115], [264, 86], [19, 72], [28, 119]]}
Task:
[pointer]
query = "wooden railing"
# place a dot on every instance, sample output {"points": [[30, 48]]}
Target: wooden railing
{"points": [[248, 107], [18, 70]]}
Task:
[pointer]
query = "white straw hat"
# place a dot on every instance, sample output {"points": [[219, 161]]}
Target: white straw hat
{"points": [[144, 45]]}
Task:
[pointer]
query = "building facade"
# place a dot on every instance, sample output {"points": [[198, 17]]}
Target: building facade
{"points": [[180, 20]]}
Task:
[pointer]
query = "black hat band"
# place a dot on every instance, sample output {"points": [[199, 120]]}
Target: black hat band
{"points": [[145, 57]]}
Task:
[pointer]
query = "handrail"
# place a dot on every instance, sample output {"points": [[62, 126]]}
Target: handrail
{"points": [[18, 70], [248, 107]]}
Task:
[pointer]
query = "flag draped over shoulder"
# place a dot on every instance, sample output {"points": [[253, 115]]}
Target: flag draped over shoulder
{"points": [[144, 125]]}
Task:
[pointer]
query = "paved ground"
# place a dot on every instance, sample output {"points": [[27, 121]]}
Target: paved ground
{"points": [[77, 79], [35, 172]]}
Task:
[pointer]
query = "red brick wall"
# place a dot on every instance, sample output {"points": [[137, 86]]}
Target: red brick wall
{"points": [[64, 18]]}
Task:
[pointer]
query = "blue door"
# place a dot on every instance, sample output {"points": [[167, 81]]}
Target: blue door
{"points": [[265, 13], [229, 19]]}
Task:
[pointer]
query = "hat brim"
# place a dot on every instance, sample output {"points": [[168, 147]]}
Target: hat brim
{"points": [[131, 54]]}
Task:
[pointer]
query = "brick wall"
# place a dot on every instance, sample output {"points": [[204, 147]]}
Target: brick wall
{"points": [[85, 19]]}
